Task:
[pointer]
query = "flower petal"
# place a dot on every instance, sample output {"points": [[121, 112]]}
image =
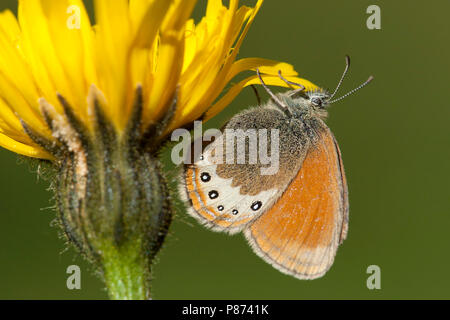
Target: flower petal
{"points": [[169, 61], [8, 23], [10, 119], [39, 49], [147, 16], [204, 88], [13, 66], [71, 35], [113, 40], [201, 80], [265, 66], [23, 149], [13, 97]]}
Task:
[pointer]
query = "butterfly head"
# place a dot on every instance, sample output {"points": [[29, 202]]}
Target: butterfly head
{"points": [[318, 99], [314, 103]]}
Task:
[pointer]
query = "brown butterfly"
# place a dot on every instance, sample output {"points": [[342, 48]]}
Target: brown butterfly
{"points": [[296, 218]]}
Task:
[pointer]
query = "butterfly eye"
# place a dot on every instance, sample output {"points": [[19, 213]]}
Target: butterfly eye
{"points": [[316, 102]]}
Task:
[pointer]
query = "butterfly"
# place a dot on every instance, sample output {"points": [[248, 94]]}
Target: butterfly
{"points": [[296, 218]]}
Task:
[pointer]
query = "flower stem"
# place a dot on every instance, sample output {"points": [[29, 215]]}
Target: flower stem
{"points": [[126, 276]]}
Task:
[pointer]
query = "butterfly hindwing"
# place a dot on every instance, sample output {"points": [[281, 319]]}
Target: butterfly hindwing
{"points": [[216, 202], [300, 234]]}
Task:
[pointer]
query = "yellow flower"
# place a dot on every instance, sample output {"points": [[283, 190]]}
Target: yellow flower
{"points": [[52, 48], [99, 101]]}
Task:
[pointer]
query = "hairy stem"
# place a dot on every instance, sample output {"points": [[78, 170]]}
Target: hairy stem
{"points": [[126, 275]]}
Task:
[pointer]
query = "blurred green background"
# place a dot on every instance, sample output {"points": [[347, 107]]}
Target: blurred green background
{"points": [[394, 136]]}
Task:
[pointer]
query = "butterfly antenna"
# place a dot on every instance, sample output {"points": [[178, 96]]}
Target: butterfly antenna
{"points": [[347, 66], [258, 98], [354, 90]]}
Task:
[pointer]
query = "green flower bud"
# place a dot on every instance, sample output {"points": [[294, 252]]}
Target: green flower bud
{"points": [[112, 199]]}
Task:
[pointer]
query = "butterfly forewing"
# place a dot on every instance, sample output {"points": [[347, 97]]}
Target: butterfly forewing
{"points": [[233, 194]]}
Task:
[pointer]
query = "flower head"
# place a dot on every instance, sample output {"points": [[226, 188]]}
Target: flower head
{"points": [[53, 50], [100, 100]]}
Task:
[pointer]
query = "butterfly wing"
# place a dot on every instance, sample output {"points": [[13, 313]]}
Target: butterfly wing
{"points": [[228, 197], [300, 234], [215, 201]]}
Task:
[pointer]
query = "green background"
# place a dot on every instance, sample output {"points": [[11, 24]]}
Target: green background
{"points": [[394, 137]]}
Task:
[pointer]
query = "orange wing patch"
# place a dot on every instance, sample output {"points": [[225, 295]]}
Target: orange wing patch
{"points": [[300, 234]]}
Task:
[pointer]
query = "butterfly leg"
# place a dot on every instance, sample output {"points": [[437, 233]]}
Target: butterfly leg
{"points": [[272, 95], [295, 92], [258, 98]]}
